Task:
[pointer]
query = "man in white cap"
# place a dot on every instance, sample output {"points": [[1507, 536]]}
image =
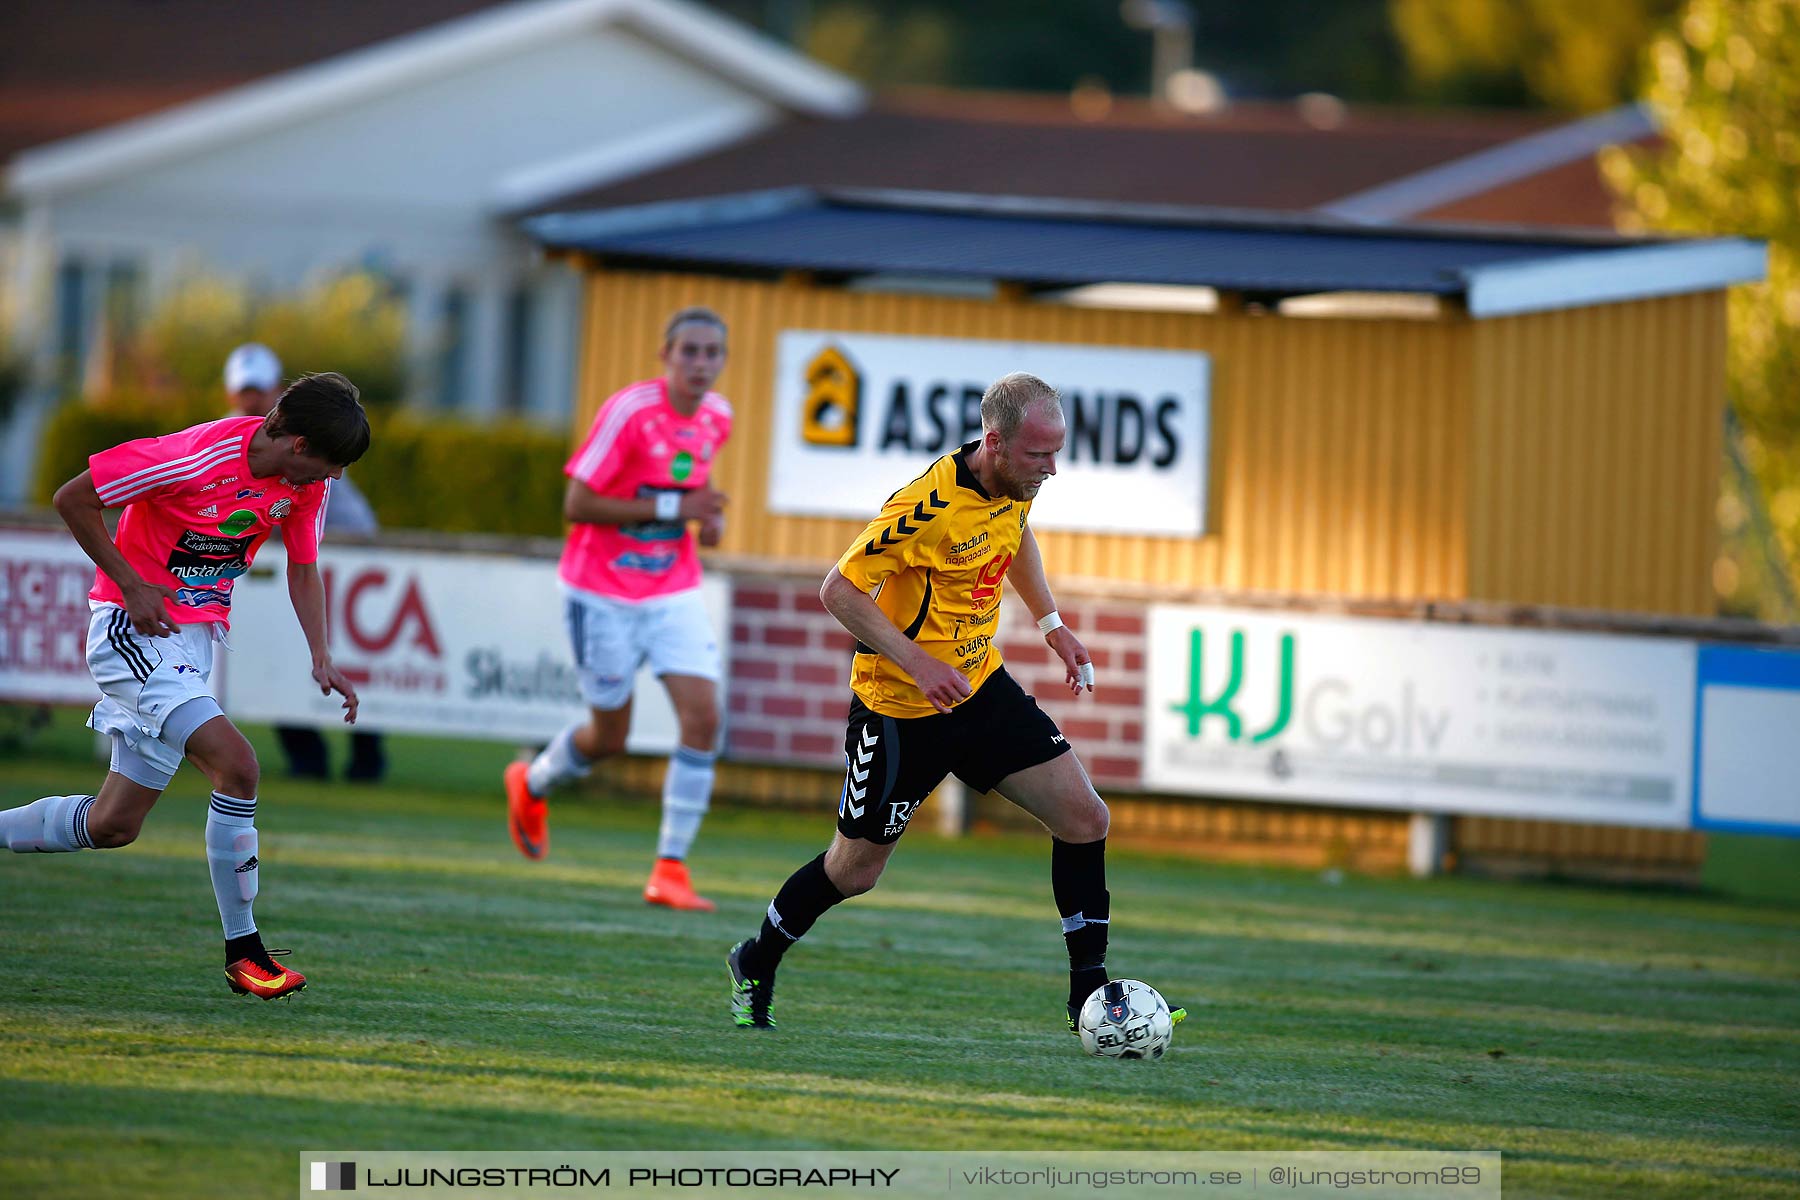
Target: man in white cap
{"points": [[252, 384], [252, 379]]}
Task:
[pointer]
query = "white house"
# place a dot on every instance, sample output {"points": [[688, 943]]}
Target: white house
{"points": [[410, 156]]}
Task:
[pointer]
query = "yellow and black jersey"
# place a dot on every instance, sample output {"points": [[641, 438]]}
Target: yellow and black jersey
{"points": [[935, 560]]}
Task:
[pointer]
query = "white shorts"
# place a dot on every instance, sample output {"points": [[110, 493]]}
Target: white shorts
{"points": [[613, 638], [142, 681]]}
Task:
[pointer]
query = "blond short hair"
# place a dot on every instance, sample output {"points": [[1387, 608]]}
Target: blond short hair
{"points": [[1004, 404]]}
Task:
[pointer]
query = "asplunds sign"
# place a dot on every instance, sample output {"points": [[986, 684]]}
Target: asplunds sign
{"points": [[1435, 718], [857, 415]]}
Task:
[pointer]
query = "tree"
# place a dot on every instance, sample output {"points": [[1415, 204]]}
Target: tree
{"points": [[1725, 85], [1580, 57]]}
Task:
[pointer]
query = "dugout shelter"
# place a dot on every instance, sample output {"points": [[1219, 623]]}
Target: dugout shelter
{"points": [[1384, 416]]}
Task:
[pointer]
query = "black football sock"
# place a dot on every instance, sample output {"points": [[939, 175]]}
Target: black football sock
{"points": [[1078, 879], [802, 900], [249, 946]]}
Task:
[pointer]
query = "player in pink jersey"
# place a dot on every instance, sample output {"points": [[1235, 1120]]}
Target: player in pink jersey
{"points": [[630, 579], [198, 504]]}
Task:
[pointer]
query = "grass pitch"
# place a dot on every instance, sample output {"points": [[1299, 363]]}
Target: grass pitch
{"points": [[1611, 1042]]}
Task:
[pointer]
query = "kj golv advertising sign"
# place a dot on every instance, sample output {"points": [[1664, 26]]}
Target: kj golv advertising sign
{"points": [[857, 415], [1436, 718]]}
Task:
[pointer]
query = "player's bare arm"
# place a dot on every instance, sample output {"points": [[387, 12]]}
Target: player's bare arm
{"points": [[80, 506], [582, 505], [307, 592], [942, 684], [1027, 577]]}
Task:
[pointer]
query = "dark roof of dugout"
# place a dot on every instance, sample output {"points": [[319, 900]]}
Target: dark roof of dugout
{"points": [[1055, 244]]}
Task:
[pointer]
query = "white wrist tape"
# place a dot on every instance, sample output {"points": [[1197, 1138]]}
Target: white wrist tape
{"points": [[668, 506], [1050, 622]]}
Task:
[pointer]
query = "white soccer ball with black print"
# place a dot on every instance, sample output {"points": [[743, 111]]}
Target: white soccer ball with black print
{"points": [[1125, 1018]]}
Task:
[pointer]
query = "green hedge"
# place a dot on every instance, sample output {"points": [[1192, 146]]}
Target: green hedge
{"points": [[418, 473], [421, 474]]}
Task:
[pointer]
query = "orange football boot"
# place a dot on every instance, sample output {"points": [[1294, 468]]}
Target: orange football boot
{"points": [[527, 817], [248, 979], [669, 885]]}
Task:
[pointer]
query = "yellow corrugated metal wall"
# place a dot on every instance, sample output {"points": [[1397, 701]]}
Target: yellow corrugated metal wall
{"points": [[1338, 446], [1557, 458], [1595, 455]]}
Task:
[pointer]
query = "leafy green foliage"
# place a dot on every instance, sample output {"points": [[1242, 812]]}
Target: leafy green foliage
{"points": [[463, 998], [77, 431], [1579, 57], [432, 474], [351, 324], [1275, 48], [1726, 88]]}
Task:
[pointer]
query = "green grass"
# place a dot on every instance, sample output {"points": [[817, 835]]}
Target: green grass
{"points": [[1612, 1042]]}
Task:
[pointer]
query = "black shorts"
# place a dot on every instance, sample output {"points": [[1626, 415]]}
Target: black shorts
{"points": [[893, 763]]}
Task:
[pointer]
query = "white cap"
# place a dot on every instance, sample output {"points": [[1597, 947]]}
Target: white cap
{"points": [[252, 365]]}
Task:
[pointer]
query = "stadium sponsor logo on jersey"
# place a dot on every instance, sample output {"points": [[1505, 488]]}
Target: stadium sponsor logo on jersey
{"points": [[979, 539], [280, 508], [829, 416]]}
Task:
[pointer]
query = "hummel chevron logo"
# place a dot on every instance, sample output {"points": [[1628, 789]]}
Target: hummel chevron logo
{"points": [[856, 787], [902, 528]]}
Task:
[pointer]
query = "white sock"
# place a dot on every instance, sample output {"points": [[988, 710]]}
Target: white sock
{"points": [[559, 763], [687, 790], [53, 825], [231, 856]]}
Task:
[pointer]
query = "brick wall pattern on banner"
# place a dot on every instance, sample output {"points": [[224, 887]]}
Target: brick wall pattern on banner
{"points": [[790, 672]]}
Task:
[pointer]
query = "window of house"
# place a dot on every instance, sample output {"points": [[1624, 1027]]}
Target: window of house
{"points": [[520, 326], [453, 349]]}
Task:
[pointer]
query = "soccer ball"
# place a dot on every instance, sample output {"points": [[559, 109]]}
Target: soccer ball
{"points": [[1125, 1018]]}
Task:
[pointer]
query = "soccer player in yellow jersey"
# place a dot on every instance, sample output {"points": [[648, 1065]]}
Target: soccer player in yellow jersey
{"points": [[920, 589]]}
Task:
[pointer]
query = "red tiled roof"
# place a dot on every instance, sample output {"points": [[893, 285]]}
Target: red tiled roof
{"points": [[1574, 194], [1250, 156]]}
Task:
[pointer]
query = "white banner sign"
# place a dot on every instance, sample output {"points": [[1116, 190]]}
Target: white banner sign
{"points": [[451, 645], [44, 582], [858, 415], [1434, 718]]}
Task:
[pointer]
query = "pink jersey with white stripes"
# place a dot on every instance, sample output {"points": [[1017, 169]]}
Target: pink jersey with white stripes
{"points": [[194, 516], [640, 446]]}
